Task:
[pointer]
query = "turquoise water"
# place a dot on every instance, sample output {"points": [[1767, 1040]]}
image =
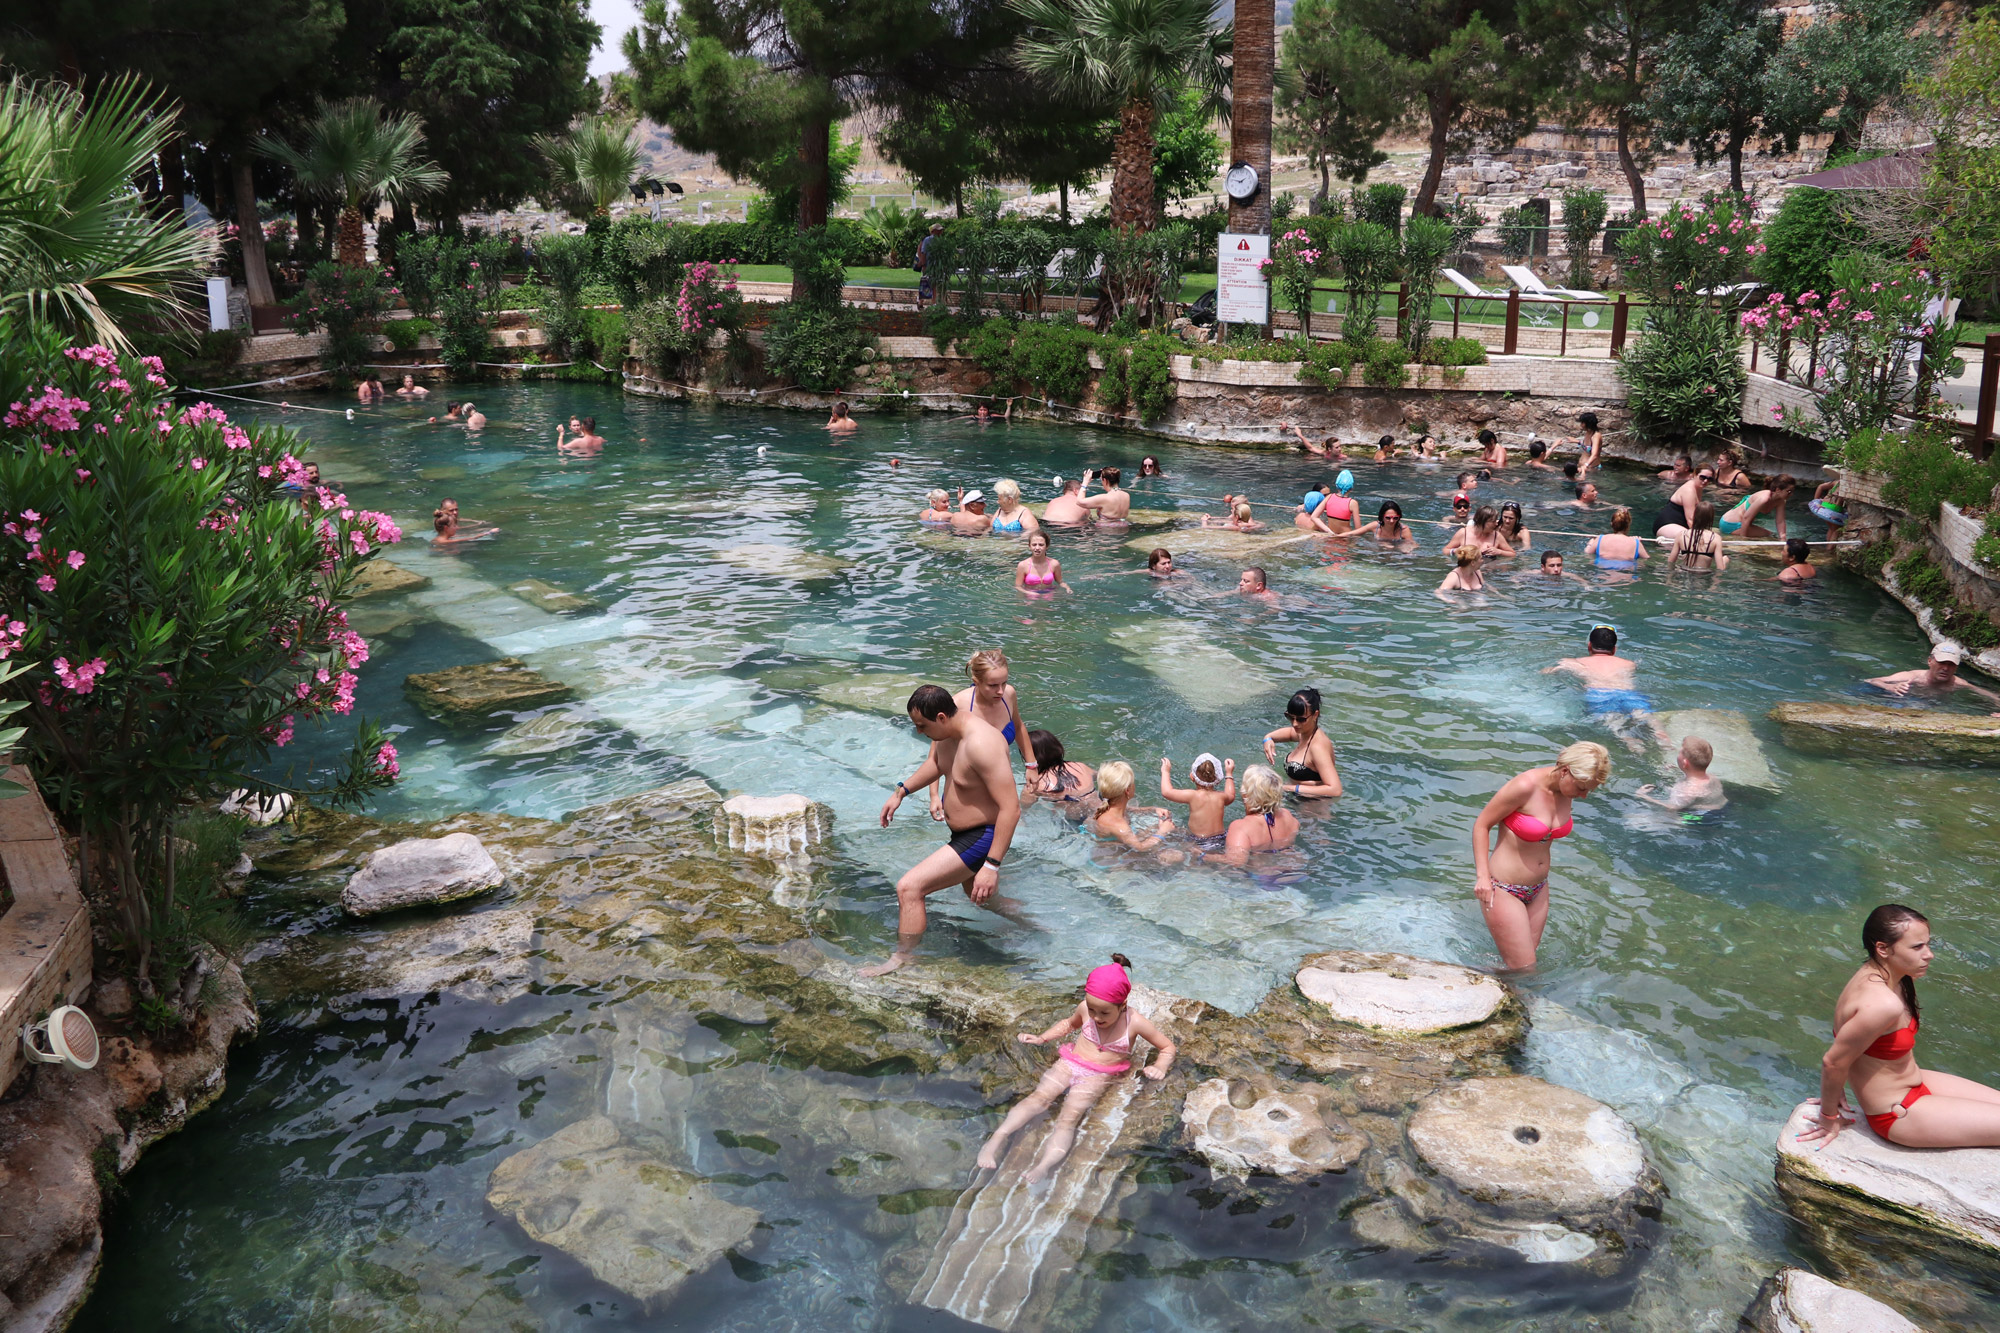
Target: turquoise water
{"points": [[751, 589]]}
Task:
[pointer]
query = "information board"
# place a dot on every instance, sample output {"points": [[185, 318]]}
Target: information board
{"points": [[1241, 294]]}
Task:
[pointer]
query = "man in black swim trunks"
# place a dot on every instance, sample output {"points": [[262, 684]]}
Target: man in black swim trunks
{"points": [[981, 807]]}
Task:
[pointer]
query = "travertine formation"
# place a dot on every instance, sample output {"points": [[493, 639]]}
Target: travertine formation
{"points": [[419, 872], [775, 826], [1887, 733], [1398, 994], [1281, 1133], [1952, 1192], [1795, 1301], [471, 693]]}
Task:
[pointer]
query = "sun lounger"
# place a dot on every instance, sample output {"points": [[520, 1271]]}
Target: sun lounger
{"points": [[1533, 287], [1471, 288]]}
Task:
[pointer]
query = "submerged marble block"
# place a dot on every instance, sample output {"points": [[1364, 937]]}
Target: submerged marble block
{"points": [[382, 576], [1398, 994], [468, 693], [639, 1224], [418, 872], [1887, 733], [1530, 1147], [1739, 757], [1953, 1193], [1281, 1133], [550, 598], [775, 826], [786, 562], [1795, 1301]]}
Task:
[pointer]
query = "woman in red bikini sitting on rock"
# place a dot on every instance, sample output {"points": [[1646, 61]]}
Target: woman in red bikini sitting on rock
{"points": [[1874, 1048]]}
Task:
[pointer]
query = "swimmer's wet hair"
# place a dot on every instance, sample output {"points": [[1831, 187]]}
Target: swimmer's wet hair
{"points": [[589, 424], [1483, 515], [1569, 469], [1604, 639], [1621, 520], [1111, 476], [1049, 753], [1260, 789], [1242, 511], [1469, 554], [931, 702], [1589, 420], [1114, 779], [1159, 553], [1699, 752], [940, 498], [1487, 437], [1303, 703], [1258, 570], [1536, 448], [1550, 555], [1886, 925], [1386, 442], [985, 662], [1122, 961], [1796, 550], [1585, 761]]}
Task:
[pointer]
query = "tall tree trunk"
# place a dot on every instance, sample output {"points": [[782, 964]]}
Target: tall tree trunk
{"points": [[250, 231], [815, 190], [1062, 193], [1250, 111], [1847, 129], [305, 240], [1132, 166], [1442, 106], [1325, 183], [173, 177], [353, 239], [1630, 164], [1736, 141]]}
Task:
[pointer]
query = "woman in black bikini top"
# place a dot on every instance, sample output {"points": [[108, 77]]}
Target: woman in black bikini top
{"points": [[1309, 769], [1699, 543], [1070, 786]]}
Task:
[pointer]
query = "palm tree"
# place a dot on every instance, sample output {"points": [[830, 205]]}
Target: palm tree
{"points": [[591, 165], [78, 247], [1137, 53], [1253, 60], [354, 156]]}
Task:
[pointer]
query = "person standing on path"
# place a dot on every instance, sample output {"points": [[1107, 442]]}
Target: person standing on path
{"points": [[981, 808]]}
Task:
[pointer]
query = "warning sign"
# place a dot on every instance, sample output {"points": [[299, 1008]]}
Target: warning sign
{"points": [[1241, 294]]}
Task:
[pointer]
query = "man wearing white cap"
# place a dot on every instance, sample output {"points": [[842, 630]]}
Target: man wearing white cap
{"points": [[1938, 679], [972, 517]]}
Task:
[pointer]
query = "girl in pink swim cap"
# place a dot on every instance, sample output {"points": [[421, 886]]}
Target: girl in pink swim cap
{"points": [[1101, 1054]]}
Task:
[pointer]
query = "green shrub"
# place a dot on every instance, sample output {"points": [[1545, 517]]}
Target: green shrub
{"points": [[1684, 378], [815, 348], [463, 337], [1923, 468], [1427, 244], [1455, 352], [1055, 359], [1387, 364], [1369, 260], [1114, 384], [608, 333], [1381, 205], [1874, 557], [346, 302], [1327, 363], [1800, 244], [991, 345], [404, 334], [1519, 227], [1584, 211], [1922, 580], [1150, 371]]}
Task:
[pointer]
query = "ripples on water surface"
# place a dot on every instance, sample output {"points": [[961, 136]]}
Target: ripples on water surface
{"points": [[1687, 974]]}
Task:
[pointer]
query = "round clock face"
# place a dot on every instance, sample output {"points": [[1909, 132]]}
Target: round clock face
{"points": [[1241, 181]]}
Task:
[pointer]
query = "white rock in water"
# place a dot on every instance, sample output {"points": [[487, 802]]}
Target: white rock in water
{"points": [[1520, 1141], [637, 1223], [1396, 993], [259, 810], [775, 826], [1953, 1190], [420, 871], [1795, 1301], [1283, 1133]]}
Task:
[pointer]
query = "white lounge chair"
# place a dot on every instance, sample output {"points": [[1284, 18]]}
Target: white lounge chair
{"points": [[1471, 288], [1531, 286]]}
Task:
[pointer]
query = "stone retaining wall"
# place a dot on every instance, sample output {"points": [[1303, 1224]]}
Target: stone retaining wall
{"points": [[45, 936]]}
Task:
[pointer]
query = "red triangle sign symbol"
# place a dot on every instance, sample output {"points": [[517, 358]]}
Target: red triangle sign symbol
{"points": [[1243, 245]]}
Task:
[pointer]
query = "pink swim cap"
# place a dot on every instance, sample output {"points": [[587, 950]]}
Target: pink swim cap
{"points": [[1109, 984]]}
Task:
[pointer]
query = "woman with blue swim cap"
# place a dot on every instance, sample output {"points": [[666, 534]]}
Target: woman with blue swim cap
{"points": [[1338, 511]]}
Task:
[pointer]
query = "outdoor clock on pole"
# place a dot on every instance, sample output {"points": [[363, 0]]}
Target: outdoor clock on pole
{"points": [[1241, 182]]}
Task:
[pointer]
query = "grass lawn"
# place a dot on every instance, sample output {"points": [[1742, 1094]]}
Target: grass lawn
{"points": [[862, 276], [1973, 333]]}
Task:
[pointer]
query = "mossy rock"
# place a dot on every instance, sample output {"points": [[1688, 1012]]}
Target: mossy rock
{"points": [[468, 694], [381, 576]]}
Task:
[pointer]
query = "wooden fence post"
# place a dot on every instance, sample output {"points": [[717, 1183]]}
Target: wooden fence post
{"points": [[1989, 393], [1513, 336], [1619, 314]]}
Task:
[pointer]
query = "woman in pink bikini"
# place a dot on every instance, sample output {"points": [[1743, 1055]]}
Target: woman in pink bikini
{"points": [[1038, 575], [1530, 812], [1874, 1048], [1085, 1069]]}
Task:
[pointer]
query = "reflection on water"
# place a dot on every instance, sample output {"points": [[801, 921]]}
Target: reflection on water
{"points": [[754, 619]]}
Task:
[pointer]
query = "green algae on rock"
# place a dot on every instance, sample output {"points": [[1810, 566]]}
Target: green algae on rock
{"points": [[469, 694], [382, 576]]}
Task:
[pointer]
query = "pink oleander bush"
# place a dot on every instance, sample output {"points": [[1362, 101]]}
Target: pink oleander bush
{"points": [[173, 586], [673, 330], [1683, 376], [1291, 270]]}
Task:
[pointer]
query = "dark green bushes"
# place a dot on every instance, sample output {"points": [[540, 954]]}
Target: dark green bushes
{"points": [[1922, 466], [1920, 579]]}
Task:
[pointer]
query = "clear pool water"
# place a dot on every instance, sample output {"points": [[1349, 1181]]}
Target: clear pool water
{"points": [[759, 600]]}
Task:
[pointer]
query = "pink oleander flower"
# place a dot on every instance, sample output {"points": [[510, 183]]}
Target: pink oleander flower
{"points": [[12, 632], [280, 734], [79, 680], [47, 583], [198, 463], [74, 559], [385, 760]]}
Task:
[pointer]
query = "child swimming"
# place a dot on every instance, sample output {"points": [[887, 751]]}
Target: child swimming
{"points": [[1214, 791], [1111, 823], [1085, 1069]]}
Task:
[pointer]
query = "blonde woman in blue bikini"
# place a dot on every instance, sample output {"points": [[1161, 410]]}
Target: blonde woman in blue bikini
{"points": [[1511, 840]]}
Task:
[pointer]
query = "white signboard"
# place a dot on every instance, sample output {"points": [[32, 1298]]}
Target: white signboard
{"points": [[1241, 294], [218, 304]]}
